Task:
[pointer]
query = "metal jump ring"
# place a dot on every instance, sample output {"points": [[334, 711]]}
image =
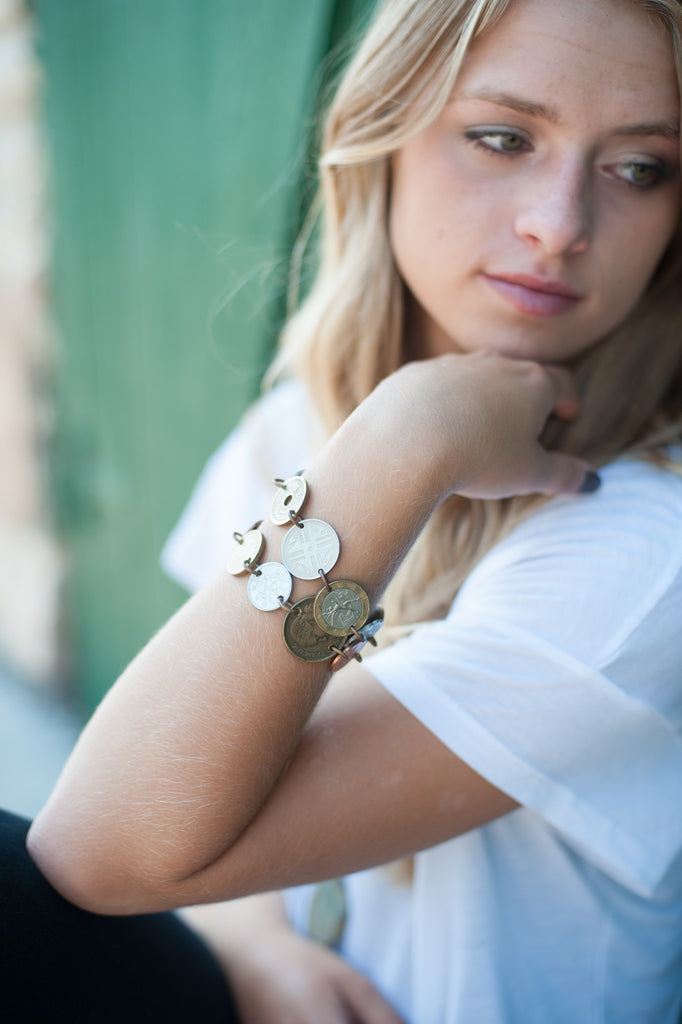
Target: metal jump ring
{"points": [[343, 654], [239, 537], [363, 639], [322, 573]]}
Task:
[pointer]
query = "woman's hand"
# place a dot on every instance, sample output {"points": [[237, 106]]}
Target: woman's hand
{"points": [[277, 976], [477, 419], [288, 979]]}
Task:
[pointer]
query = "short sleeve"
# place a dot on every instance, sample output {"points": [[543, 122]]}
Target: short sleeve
{"points": [[557, 674], [235, 488]]}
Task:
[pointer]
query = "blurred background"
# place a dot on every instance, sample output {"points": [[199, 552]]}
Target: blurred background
{"points": [[156, 162]]}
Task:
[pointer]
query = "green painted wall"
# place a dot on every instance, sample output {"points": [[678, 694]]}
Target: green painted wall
{"points": [[177, 134]]}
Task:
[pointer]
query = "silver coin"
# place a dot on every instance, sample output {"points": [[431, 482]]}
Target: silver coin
{"points": [[273, 582], [310, 547], [372, 627]]}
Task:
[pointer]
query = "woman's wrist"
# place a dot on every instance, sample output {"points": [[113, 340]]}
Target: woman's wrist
{"points": [[229, 926]]}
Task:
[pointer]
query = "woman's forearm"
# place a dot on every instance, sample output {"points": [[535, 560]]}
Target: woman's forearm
{"points": [[185, 749]]}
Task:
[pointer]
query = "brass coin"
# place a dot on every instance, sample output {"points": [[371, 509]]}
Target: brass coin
{"points": [[288, 499], [345, 606], [248, 551], [303, 636]]}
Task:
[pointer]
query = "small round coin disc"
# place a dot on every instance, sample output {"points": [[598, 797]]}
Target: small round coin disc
{"points": [[367, 633], [289, 498], [266, 589], [309, 547], [328, 912], [371, 628], [341, 608], [303, 636], [248, 550], [349, 653]]}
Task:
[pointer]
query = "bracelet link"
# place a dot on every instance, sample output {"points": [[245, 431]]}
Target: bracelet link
{"points": [[335, 624]]}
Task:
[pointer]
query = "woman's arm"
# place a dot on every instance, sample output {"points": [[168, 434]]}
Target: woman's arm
{"points": [[197, 779]]}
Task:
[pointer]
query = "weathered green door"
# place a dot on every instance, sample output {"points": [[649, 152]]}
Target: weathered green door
{"points": [[177, 131]]}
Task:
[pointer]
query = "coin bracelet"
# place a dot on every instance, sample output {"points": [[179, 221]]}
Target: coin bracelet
{"points": [[333, 625]]}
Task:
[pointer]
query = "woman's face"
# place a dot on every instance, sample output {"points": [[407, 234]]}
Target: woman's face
{"points": [[529, 217]]}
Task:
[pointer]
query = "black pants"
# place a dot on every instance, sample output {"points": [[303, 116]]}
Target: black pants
{"points": [[58, 963]]}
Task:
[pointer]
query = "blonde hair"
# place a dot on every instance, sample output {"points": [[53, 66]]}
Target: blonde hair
{"points": [[348, 332]]}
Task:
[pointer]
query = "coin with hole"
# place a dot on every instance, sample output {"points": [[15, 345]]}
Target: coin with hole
{"points": [[288, 500]]}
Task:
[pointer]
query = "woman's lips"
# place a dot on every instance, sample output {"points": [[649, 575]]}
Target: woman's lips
{"points": [[533, 295]]}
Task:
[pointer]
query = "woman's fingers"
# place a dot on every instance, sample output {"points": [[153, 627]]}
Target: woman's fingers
{"points": [[557, 472], [513, 401], [362, 1000], [279, 977], [564, 474], [566, 403]]}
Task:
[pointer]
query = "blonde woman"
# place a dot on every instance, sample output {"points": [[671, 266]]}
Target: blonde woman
{"points": [[497, 313]]}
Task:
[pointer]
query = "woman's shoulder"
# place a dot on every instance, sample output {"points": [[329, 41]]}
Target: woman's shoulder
{"points": [[590, 572], [274, 432], [637, 510]]}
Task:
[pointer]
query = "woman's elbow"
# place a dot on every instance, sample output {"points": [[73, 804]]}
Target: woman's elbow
{"points": [[86, 873]]}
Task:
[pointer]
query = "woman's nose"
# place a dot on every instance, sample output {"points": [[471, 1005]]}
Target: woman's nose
{"points": [[555, 213]]}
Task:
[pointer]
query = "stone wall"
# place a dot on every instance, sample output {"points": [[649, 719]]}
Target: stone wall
{"points": [[30, 562]]}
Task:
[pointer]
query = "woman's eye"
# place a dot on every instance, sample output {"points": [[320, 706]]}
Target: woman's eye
{"points": [[495, 140], [643, 175]]}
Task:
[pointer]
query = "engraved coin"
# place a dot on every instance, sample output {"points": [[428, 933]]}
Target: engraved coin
{"points": [[371, 628], [273, 582], [367, 634], [248, 551], [289, 498], [303, 636], [310, 547], [343, 607]]}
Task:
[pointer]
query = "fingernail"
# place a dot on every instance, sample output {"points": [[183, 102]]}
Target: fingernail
{"points": [[591, 482]]}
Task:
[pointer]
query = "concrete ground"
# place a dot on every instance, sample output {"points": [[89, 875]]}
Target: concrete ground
{"points": [[36, 735]]}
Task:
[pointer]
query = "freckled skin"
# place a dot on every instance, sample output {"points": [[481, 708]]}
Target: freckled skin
{"points": [[558, 202]]}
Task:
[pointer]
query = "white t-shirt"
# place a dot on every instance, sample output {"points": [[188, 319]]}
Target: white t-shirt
{"points": [[557, 675]]}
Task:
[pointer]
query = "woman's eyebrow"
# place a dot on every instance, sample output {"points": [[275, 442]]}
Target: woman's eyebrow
{"points": [[505, 99], [665, 129]]}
